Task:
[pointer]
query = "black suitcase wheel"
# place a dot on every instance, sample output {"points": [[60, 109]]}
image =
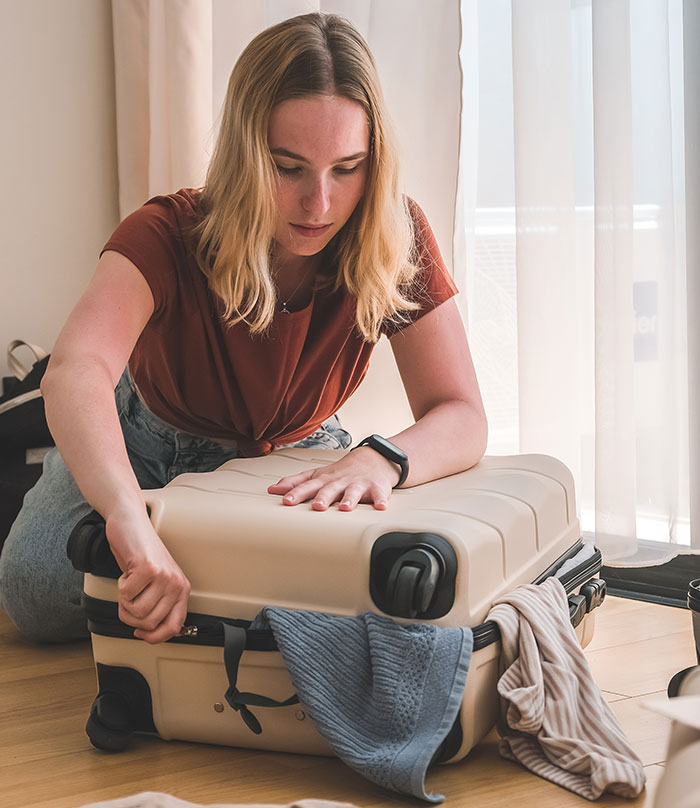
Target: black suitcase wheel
{"points": [[109, 726], [89, 550], [404, 591], [413, 575], [82, 540], [413, 581]]}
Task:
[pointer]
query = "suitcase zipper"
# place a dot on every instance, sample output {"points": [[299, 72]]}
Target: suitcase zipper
{"points": [[199, 629], [202, 629]]}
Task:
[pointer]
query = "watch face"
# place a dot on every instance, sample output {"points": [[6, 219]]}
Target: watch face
{"points": [[389, 451], [384, 447]]}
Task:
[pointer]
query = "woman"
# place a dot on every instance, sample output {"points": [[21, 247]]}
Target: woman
{"points": [[245, 314]]}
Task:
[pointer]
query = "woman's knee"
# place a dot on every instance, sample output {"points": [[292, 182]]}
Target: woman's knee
{"points": [[39, 589], [42, 602]]}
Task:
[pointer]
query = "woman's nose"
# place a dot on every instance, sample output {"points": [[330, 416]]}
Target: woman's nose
{"points": [[316, 197]]}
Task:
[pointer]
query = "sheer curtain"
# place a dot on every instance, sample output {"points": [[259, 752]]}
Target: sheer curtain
{"points": [[579, 295], [164, 86], [691, 63]]}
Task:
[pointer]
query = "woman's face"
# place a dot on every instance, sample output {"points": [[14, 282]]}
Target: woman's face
{"points": [[320, 145]]}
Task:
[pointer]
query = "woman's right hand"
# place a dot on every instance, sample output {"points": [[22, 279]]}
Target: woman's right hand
{"points": [[153, 590]]}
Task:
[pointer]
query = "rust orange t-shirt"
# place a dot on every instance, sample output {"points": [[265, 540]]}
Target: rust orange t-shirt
{"points": [[218, 381]]}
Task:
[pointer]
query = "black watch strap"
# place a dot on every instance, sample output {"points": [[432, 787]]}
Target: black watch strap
{"points": [[390, 451]]}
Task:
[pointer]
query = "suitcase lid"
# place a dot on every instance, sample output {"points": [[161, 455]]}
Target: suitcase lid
{"points": [[507, 519]]}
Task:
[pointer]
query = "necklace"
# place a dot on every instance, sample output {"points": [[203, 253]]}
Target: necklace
{"points": [[284, 309]]}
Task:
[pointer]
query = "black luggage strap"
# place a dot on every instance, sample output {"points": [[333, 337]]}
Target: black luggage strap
{"points": [[234, 644]]}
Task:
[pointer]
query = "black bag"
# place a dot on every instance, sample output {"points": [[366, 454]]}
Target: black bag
{"points": [[23, 431], [22, 417], [19, 471]]}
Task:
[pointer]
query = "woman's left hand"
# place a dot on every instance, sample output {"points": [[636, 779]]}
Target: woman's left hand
{"points": [[362, 475]]}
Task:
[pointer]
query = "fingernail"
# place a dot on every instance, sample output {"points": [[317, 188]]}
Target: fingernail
{"points": [[346, 503], [290, 498]]}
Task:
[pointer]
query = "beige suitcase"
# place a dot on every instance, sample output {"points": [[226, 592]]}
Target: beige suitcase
{"points": [[441, 552]]}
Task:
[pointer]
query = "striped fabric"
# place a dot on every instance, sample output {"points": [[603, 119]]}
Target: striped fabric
{"points": [[553, 718]]}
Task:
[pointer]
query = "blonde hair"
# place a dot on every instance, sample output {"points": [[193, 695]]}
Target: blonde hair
{"points": [[373, 255]]}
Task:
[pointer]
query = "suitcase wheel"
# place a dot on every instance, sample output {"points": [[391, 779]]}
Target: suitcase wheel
{"points": [[413, 581], [80, 543], [89, 550], [109, 727], [413, 575]]}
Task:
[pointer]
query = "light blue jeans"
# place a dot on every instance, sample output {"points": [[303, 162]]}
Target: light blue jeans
{"points": [[39, 589]]}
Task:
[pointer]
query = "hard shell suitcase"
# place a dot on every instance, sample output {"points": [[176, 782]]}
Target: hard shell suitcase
{"points": [[442, 552]]}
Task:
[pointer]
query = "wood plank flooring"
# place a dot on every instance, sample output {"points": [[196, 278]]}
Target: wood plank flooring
{"points": [[46, 760]]}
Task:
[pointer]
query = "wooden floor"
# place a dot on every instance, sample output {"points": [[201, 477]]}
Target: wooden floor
{"points": [[46, 761]]}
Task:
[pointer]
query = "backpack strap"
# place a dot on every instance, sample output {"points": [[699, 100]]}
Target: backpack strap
{"points": [[15, 365]]}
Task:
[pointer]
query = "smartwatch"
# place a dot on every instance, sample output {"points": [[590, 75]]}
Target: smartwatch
{"points": [[388, 450]]}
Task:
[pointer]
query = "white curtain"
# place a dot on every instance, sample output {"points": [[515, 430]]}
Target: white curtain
{"points": [[579, 295], [691, 128], [164, 86]]}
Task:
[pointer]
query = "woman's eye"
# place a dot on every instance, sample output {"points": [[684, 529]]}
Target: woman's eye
{"points": [[340, 170], [288, 171]]}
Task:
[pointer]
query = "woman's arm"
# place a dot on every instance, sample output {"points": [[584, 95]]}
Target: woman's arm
{"points": [[87, 361], [438, 376], [449, 434]]}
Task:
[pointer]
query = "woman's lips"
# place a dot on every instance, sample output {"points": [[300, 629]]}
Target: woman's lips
{"points": [[311, 231]]}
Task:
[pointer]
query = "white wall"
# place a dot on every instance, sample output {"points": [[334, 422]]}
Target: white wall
{"points": [[380, 404], [57, 160]]}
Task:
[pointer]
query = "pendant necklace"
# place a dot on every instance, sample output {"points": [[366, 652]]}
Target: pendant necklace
{"points": [[284, 309]]}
